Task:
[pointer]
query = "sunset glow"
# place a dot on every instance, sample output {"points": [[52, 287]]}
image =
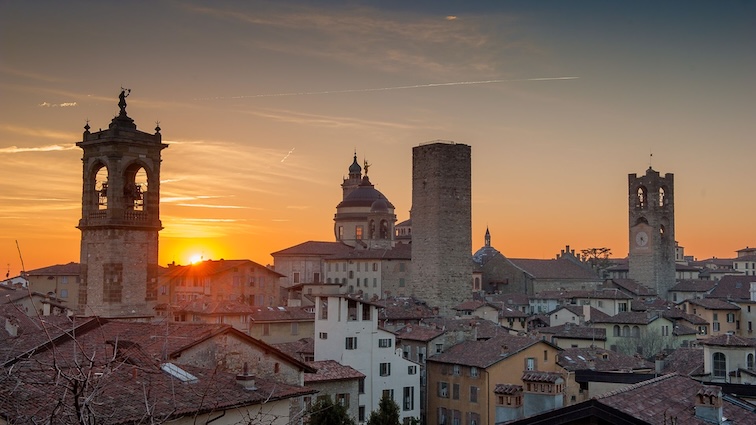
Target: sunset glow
{"points": [[263, 105]]}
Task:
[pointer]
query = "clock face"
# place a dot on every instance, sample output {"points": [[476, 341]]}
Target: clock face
{"points": [[641, 238]]}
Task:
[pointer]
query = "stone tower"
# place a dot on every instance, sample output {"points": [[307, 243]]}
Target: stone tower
{"points": [[441, 224], [652, 230], [120, 219]]}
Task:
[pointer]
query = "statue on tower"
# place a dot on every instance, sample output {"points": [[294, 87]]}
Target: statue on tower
{"points": [[122, 99]]}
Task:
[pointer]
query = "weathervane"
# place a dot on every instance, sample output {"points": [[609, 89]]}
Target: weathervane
{"points": [[366, 166]]}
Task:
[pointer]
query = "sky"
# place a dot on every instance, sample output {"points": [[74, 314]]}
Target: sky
{"points": [[264, 104]]}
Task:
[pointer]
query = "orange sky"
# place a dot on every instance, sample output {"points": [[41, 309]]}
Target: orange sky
{"points": [[263, 105]]}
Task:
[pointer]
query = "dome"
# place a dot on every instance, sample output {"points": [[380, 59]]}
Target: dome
{"points": [[364, 196], [379, 205], [355, 167]]}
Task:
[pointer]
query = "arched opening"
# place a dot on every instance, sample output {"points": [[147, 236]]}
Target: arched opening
{"points": [[372, 230], [641, 220], [661, 197], [626, 330], [101, 187], [384, 229], [661, 231], [642, 198], [636, 332], [719, 365], [749, 361], [616, 330], [134, 188]]}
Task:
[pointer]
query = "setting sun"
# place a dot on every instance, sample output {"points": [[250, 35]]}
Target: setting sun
{"points": [[196, 258]]}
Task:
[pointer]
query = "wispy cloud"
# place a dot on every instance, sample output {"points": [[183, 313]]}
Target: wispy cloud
{"points": [[38, 133], [57, 105], [49, 148], [230, 207]]}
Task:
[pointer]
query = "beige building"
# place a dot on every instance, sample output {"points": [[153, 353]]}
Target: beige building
{"points": [[62, 280]]}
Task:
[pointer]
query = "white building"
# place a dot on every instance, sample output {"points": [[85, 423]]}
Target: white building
{"points": [[346, 330]]}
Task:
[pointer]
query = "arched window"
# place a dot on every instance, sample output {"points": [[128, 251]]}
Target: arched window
{"points": [[384, 229], [749, 361], [636, 332], [661, 196], [616, 330], [642, 200], [101, 187], [372, 230], [134, 188], [719, 365], [626, 330]]}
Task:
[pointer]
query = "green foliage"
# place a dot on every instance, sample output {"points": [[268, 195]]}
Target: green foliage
{"points": [[325, 412], [387, 413]]}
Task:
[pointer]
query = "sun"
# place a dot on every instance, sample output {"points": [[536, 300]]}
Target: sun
{"points": [[196, 258]]}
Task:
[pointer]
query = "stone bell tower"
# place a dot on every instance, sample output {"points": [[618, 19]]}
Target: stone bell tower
{"points": [[652, 230], [120, 219]]}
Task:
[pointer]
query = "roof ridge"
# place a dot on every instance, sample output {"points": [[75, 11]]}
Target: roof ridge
{"points": [[636, 386]]}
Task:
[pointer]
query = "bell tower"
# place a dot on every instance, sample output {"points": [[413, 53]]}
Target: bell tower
{"points": [[120, 218], [652, 230]]}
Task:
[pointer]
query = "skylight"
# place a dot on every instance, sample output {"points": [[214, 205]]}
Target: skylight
{"points": [[178, 373]]}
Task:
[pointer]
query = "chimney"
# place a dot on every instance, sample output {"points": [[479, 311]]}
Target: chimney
{"points": [[709, 404], [586, 312], [246, 379]]}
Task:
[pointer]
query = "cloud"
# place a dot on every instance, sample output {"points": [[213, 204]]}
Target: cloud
{"points": [[57, 105], [37, 133], [212, 206], [48, 148]]}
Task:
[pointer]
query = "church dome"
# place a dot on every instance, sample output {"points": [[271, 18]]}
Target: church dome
{"points": [[379, 205], [355, 167], [364, 196]]}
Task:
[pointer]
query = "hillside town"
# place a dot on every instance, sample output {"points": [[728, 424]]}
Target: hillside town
{"points": [[404, 313]]}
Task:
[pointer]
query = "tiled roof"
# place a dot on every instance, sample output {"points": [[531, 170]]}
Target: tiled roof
{"points": [[600, 360], [514, 299], [651, 304], [70, 269], [610, 294], [398, 252], [330, 370], [561, 268], [314, 248], [685, 361], [669, 396], [728, 340], [470, 305], [535, 376], [484, 328], [511, 312], [298, 349], [281, 314], [483, 354], [403, 308], [211, 307], [213, 267], [573, 331], [507, 389], [694, 285], [733, 288], [677, 314], [419, 333], [634, 287], [129, 388], [628, 317], [713, 304]]}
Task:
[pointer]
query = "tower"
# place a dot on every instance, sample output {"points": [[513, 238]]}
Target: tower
{"points": [[120, 218], [652, 230], [441, 224]]}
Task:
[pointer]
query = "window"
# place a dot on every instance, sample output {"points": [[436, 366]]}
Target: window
{"points": [[295, 328], [719, 365], [401, 267], [455, 391], [409, 398], [456, 370], [730, 317], [545, 356], [439, 348], [385, 369], [358, 233], [443, 389], [375, 267], [323, 335], [64, 293], [388, 394], [616, 330], [384, 342], [401, 282], [665, 330], [365, 311], [530, 363], [622, 306], [266, 328], [749, 361], [296, 277], [411, 370], [474, 372], [473, 394], [343, 399], [361, 414], [715, 326], [316, 278], [351, 343]]}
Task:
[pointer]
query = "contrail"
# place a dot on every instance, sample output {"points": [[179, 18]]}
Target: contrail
{"points": [[288, 154], [415, 86]]}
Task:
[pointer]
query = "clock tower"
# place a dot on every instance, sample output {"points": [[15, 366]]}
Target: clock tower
{"points": [[120, 219], [652, 230]]}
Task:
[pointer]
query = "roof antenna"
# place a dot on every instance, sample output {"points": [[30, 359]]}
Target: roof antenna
{"points": [[650, 158]]}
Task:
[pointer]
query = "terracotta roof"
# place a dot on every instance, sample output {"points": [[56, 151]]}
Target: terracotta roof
{"points": [[403, 308], [629, 317], [70, 269], [561, 268], [694, 285], [210, 307], [484, 328], [611, 293], [330, 370], [535, 376], [314, 248], [669, 396], [677, 314], [282, 314], [507, 389], [470, 305], [600, 360], [685, 361], [633, 287], [419, 333], [651, 304], [713, 304], [212, 267], [728, 340], [733, 288], [298, 349], [398, 252], [573, 331], [514, 299], [483, 354], [507, 312]]}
